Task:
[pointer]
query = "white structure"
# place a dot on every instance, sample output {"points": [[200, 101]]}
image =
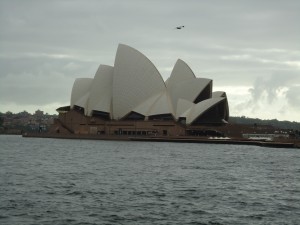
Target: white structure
{"points": [[133, 89]]}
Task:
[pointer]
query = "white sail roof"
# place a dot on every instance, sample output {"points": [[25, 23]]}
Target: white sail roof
{"points": [[188, 89], [101, 90], [135, 79], [80, 92], [182, 106], [135, 85], [181, 72], [198, 109], [146, 105], [162, 105], [217, 94]]}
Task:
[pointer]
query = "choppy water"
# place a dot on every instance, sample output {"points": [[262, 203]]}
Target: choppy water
{"points": [[49, 181]]}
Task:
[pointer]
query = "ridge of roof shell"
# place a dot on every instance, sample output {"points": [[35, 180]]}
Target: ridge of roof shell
{"points": [[141, 54], [181, 72]]}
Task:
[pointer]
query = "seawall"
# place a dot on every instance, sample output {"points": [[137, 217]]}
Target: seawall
{"points": [[178, 139]]}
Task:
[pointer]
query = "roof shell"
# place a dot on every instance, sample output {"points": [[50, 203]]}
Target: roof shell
{"points": [[145, 106], [188, 89], [181, 72], [101, 90], [218, 94], [135, 79], [200, 108], [162, 105], [80, 92], [182, 106]]}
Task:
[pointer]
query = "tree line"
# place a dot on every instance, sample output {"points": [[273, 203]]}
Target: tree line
{"points": [[274, 122]]}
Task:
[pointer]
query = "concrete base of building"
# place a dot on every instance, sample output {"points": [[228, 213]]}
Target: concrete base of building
{"points": [[181, 139]]}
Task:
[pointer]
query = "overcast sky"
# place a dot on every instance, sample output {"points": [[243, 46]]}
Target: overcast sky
{"points": [[251, 49]]}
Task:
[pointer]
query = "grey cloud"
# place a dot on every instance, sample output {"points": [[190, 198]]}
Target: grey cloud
{"points": [[233, 42], [272, 85], [276, 95], [40, 81], [293, 97]]}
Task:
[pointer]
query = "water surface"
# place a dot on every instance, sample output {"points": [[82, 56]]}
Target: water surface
{"points": [[53, 181]]}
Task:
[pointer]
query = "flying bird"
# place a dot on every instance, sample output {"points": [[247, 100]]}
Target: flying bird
{"points": [[179, 27]]}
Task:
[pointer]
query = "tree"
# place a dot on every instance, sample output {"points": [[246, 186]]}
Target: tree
{"points": [[1, 121]]}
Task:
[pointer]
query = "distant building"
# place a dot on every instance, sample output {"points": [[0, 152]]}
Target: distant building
{"points": [[24, 121], [131, 97]]}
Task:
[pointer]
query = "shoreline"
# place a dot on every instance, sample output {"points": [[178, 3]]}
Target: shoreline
{"points": [[178, 139]]}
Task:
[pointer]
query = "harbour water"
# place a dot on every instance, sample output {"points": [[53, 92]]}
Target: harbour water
{"points": [[56, 181]]}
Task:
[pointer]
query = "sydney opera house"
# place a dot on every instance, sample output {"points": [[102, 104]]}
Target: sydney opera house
{"points": [[131, 98]]}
